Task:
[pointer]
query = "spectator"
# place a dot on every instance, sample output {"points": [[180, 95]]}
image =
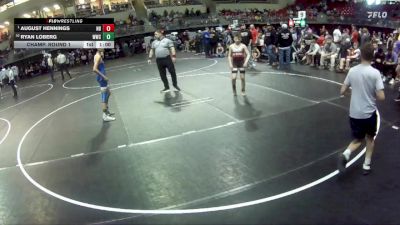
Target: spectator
{"points": [[255, 55], [285, 41], [391, 61], [254, 35], [220, 51], [322, 31], [308, 37], [71, 56], [398, 75], [125, 48], [343, 53], [84, 59], [15, 70], [50, 65], [198, 42], [345, 36], [185, 38], [270, 41], [328, 51], [389, 43], [321, 40], [337, 36], [3, 80], [354, 35], [354, 55], [214, 38], [396, 45], [245, 34], [228, 39], [90, 56], [379, 58], [365, 37], [207, 42], [312, 52], [375, 47], [300, 54]]}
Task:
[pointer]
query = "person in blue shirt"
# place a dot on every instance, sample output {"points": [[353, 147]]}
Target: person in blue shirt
{"points": [[390, 64], [207, 42], [100, 70]]}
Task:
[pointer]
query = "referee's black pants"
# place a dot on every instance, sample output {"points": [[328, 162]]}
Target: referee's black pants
{"points": [[64, 67], [163, 64], [12, 85]]}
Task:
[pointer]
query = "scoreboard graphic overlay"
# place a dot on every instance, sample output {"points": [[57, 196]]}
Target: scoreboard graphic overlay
{"points": [[64, 33]]}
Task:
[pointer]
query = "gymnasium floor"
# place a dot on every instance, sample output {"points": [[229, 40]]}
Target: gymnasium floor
{"points": [[200, 156]]}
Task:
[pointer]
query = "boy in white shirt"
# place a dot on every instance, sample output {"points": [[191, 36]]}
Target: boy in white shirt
{"points": [[11, 81]]}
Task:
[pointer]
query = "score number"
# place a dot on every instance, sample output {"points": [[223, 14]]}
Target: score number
{"points": [[108, 32], [108, 27], [108, 36]]}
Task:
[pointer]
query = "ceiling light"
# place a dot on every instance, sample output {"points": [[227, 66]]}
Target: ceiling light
{"points": [[46, 9], [56, 7], [7, 23], [26, 15]]}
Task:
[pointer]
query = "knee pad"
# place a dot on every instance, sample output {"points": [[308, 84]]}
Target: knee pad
{"points": [[234, 70], [104, 94], [242, 71]]}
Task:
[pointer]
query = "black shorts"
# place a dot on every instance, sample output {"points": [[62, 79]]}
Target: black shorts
{"points": [[237, 63], [361, 127]]}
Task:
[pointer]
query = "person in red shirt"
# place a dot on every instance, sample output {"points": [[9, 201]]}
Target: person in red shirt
{"points": [[354, 34], [254, 35], [321, 40]]}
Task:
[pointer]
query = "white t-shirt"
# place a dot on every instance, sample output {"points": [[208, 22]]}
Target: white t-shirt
{"points": [[15, 70], [364, 81], [357, 53], [2, 74], [337, 35], [10, 74], [61, 59], [50, 62], [314, 49], [261, 42]]}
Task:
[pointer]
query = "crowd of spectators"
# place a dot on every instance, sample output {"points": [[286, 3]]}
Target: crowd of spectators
{"points": [[336, 49], [252, 15], [175, 18], [332, 11], [156, 4], [4, 36]]}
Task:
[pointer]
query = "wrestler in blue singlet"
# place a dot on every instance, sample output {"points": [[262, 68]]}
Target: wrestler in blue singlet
{"points": [[100, 79]]}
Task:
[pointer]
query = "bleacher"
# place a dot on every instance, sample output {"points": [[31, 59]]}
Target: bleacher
{"points": [[156, 4], [124, 28]]}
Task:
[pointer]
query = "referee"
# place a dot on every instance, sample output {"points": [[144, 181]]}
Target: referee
{"points": [[62, 63], [165, 58]]}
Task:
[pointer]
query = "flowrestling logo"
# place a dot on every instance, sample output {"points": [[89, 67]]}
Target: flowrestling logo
{"points": [[377, 15]]}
